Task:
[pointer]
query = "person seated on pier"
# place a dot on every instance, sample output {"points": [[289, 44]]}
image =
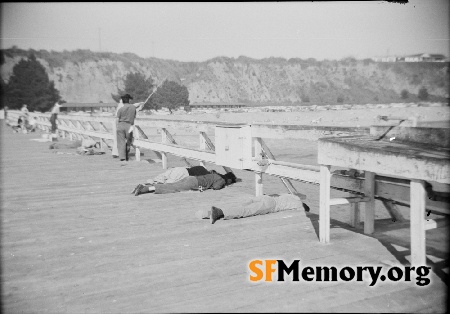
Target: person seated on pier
{"points": [[31, 127], [24, 114], [18, 126], [176, 174], [215, 181], [255, 205]]}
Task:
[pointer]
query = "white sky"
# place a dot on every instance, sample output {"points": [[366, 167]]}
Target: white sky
{"points": [[199, 31]]}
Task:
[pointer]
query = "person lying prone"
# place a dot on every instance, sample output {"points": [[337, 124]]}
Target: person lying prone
{"points": [[215, 181], [255, 205]]}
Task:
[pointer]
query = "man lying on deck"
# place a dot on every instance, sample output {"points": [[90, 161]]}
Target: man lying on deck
{"points": [[255, 205], [214, 181], [177, 173]]}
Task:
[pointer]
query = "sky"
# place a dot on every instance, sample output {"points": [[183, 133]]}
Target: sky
{"points": [[199, 31]]}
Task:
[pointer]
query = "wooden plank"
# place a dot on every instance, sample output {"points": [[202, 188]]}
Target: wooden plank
{"points": [[387, 158]]}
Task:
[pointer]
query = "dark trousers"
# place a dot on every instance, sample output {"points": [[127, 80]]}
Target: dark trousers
{"points": [[53, 122], [124, 140], [185, 184]]}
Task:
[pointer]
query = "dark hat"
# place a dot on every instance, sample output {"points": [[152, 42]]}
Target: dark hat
{"points": [[229, 178], [126, 97]]}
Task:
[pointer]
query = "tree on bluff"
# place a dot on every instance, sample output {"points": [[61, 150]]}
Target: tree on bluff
{"points": [[29, 84], [137, 86], [170, 95]]}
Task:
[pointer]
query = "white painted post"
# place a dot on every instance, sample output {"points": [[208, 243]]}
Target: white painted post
{"points": [[418, 243], [258, 175], [115, 152], [369, 207], [164, 141], [136, 148], [324, 204], [202, 145]]}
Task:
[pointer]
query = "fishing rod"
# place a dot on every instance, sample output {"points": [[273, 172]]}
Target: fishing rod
{"points": [[154, 91]]}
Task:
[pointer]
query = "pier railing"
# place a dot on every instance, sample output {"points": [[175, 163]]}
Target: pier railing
{"points": [[391, 191]]}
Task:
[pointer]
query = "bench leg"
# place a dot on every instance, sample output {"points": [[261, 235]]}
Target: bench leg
{"points": [[354, 215], [418, 243], [369, 211], [324, 210]]}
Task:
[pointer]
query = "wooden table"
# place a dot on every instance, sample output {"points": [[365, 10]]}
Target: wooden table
{"points": [[419, 161]]}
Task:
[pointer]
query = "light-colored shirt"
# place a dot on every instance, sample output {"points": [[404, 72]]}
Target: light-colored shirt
{"points": [[56, 109], [24, 111]]}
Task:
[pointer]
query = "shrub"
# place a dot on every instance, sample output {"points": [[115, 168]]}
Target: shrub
{"points": [[423, 93], [404, 94]]}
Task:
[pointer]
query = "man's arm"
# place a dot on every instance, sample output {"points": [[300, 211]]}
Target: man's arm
{"points": [[139, 105], [219, 183]]}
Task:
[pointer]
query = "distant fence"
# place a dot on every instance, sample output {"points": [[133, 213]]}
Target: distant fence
{"points": [[260, 159]]}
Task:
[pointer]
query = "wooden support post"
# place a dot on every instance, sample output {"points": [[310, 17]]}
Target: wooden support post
{"points": [[170, 139], [324, 206], [210, 146], [258, 175], [393, 211], [90, 126], [259, 187], [137, 150], [164, 141], [287, 183], [203, 145], [369, 207], [102, 126], [115, 151], [354, 215], [418, 243]]}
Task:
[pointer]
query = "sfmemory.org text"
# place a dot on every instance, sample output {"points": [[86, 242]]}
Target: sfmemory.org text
{"points": [[264, 270]]}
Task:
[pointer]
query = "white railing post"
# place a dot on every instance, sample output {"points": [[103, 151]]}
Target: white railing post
{"points": [[258, 175], [163, 154], [136, 148], [115, 152]]}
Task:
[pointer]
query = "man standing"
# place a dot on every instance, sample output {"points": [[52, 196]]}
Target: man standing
{"points": [[54, 117], [24, 115], [125, 121]]}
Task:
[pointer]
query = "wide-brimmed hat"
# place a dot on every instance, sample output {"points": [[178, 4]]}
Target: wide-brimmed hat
{"points": [[126, 97]]}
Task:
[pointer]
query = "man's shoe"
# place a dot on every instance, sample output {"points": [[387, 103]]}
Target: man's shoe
{"points": [[306, 207], [216, 213], [203, 214], [138, 189]]}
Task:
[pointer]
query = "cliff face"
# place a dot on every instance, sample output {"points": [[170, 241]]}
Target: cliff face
{"points": [[95, 76]]}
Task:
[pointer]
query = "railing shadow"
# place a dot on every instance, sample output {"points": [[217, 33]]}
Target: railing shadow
{"points": [[390, 242]]}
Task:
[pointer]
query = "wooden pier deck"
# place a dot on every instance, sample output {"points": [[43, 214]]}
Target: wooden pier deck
{"points": [[74, 240]]}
